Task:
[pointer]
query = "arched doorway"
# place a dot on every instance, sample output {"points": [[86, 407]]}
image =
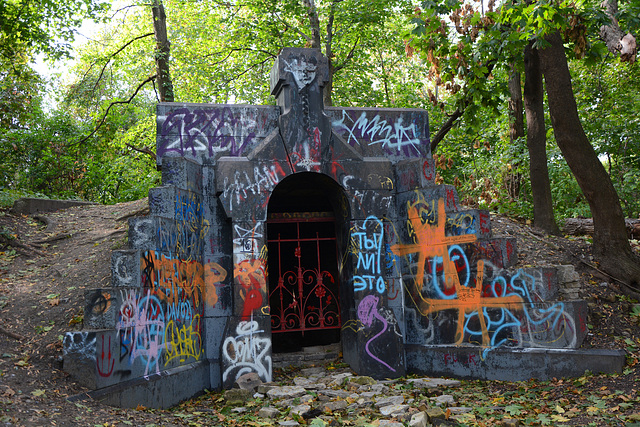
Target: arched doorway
{"points": [[304, 217]]}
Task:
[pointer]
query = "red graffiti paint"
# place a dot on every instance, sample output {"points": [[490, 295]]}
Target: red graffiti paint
{"points": [[427, 170], [103, 363], [468, 359], [250, 275], [484, 222], [451, 198]]}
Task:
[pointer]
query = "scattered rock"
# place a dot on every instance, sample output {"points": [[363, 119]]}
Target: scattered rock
{"points": [[435, 414], [390, 400], [286, 392], [237, 396], [394, 410], [418, 420], [444, 400], [335, 405], [363, 380], [249, 381], [268, 412], [300, 409]]}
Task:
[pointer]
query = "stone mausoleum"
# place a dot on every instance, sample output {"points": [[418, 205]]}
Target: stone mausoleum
{"points": [[295, 225]]}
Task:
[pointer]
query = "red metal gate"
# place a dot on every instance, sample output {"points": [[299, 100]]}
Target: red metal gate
{"points": [[303, 273]]}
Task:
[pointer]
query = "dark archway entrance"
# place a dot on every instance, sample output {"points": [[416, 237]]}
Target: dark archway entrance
{"points": [[304, 278]]}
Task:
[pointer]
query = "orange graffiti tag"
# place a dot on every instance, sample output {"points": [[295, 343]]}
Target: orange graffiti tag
{"points": [[213, 274], [431, 242], [251, 276]]}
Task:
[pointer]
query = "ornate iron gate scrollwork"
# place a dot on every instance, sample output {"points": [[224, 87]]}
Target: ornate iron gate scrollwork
{"points": [[302, 251]]}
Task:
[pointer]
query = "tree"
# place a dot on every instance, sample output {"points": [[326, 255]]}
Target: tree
{"points": [[537, 143], [610, 240], [481, 41], [163, 76], [45, 26]]}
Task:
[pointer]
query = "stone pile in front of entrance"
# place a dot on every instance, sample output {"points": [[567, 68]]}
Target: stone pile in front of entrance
{"points": [[317, 394]]}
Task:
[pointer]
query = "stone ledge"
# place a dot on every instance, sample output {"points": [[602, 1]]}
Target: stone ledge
{"points": [[511, 364], [160, 390], [32, 205]]}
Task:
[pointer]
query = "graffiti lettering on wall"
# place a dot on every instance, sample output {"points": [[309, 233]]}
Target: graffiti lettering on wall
{"points": [[392, 137], [141, 329], [184, 237], [209, 132], [367, 312], [238, 188], [251, 275], [173, 280], [443, 281], [81, 344], [367, 244], [185, 340], [247, 351]]}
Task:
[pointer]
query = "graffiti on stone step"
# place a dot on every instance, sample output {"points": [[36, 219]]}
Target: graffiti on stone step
{"points": [[394, 137], [490, 313], [206, 132], [248, 350]]}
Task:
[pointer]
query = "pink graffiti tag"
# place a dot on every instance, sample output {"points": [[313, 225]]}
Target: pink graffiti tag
{"points": [[366, 313]]}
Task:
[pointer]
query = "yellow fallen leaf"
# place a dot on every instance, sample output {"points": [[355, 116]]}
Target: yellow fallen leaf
{"points": [[592, 410], [38, 393], [559, 409]]}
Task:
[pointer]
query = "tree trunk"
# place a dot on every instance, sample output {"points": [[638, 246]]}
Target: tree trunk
{"points": [[616, 40], [165, 85], [543, 217], [516, 122], [314, 23], [513, 177], [610, 242], [579, 226], [328, 47]]}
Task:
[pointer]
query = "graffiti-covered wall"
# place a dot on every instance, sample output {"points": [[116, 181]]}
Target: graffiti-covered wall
{"points": [[192, 296]]}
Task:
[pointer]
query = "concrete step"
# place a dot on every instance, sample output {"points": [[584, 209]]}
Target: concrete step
{"points": [[510, 364]]}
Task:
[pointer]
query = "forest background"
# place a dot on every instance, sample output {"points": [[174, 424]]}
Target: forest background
{"points": [[89, 132]]}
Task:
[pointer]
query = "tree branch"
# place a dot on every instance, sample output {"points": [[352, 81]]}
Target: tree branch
{"points": [[106, 113], [143, 150], [446, 127], [123, 47], [349, 56]]}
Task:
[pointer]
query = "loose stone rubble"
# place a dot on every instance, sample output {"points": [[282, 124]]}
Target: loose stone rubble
{"points": [[321, 395]]}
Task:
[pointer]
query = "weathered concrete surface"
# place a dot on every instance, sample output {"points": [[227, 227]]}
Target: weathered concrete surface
{"points": [[157, 391], [511, 364], [32, 205]]}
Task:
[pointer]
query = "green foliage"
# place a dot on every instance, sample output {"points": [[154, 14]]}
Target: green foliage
{"points": [[608, 107], [45, 26]]}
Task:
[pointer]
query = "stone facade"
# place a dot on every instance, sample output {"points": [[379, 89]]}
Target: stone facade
{"points": [[195, 294]]}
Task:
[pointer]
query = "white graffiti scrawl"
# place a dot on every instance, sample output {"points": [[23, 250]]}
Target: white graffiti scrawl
{"points": [[393, 137], [247, 352], [369, 251]]}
